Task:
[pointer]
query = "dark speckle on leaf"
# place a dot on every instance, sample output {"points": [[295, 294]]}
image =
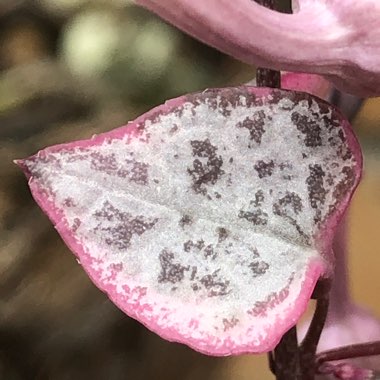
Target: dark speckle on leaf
{"points": [[215, 285], [255, 214], [204, 173], [104, 163], [131, 169], [229, 323], [171, 271], [124, 226], [290, 203], [207, 250], [317, 191], [288, 207], [259, 199], [309, 128], [258, 268], [255, 126], [222, 234], [346, 183], [264, 168], [134, 170], [256, 217], [186, 220], [190, 244]]}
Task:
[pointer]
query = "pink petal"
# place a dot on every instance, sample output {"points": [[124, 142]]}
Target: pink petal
{"points": [[210, 218], [342, 42]]}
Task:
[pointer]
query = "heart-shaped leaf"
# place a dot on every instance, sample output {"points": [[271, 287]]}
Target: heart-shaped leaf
{"points": [[210, 218]]}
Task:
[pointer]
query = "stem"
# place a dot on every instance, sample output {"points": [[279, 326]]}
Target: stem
{"points": [[286, 356], [267, 77], [309, 345], [349, 352], [285, 362]]}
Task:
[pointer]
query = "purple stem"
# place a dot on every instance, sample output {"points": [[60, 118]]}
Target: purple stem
{"points": [[286, 357], [349, 352], [308, 347], [268, 78], [285, 361]]}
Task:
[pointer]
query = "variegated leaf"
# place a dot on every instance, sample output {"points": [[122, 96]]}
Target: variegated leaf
{"points": [[210, 218]]}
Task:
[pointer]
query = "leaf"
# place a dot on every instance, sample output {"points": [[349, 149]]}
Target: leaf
{"points": [[321, 37], [210, 218]]}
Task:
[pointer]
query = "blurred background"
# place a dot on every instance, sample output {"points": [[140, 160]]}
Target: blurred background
{"points": [[72, 68]]}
